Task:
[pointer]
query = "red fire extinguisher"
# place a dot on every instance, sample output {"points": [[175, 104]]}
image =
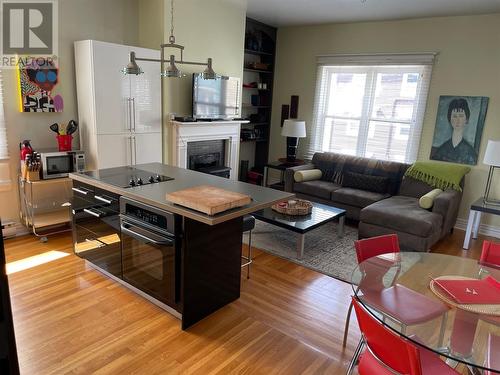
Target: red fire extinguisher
{"points": [[25, 148]]}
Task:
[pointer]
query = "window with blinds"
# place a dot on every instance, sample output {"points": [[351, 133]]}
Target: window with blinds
{"points": [[370, 106]]}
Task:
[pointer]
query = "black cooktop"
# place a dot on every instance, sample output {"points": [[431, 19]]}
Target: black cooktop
{"points": [[126, 177]]}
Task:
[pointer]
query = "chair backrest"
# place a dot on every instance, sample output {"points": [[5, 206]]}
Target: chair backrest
{"points": [[371, 247], [395, 352], [490, 255]]}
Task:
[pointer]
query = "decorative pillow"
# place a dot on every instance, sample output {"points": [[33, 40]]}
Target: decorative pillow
{"points": [[307, 175], [376, 184], [427, 201]]}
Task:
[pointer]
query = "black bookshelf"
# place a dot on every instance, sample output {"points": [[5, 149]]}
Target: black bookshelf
{"points": [[8, 353], [259, 64]]}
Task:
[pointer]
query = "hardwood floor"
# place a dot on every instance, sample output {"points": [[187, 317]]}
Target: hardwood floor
{"points": [[289, 320]]}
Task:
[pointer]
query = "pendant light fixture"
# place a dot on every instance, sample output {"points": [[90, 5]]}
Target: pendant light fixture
{"points": [[171, 70]]}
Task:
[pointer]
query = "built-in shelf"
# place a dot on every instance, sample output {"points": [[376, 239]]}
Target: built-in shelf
{"points": [[258, 123], [254, 140], [255, 88], [255, 106], [258, 53], [257, 63], [258, 71]]}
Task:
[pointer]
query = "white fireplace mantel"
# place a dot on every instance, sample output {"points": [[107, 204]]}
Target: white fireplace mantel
{"points": [[185, 132]]}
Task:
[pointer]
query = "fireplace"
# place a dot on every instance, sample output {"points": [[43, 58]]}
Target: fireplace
{"points": [[188, 134], [208, 157]]}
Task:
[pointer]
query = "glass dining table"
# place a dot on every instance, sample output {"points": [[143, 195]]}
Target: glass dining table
{"points": [[464, 333]]}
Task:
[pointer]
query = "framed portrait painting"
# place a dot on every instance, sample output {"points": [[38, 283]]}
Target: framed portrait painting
{"points": [[459, 128]]}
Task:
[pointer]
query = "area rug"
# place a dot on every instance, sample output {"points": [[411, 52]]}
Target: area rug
{"points": [[324, 252]]}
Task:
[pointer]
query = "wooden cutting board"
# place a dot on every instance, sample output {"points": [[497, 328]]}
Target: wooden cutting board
{"points": [[208, 199]]}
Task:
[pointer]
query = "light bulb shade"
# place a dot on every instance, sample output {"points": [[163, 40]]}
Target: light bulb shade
{"points": [[209, 73], [132, 67], [492, 154], [294, 128], [171, 71]]}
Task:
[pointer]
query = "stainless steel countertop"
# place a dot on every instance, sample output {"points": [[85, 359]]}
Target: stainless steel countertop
{"points": [[155, 194]]}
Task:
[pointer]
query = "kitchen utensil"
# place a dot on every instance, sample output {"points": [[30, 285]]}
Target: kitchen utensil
{"points": [[62, 129], [54, 128], [72, 127]]}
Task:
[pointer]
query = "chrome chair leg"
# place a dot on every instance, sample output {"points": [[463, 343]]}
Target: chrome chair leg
{"points": [[346, 328], [355, 356], [248, 258], [442, 329], [249, 253]]}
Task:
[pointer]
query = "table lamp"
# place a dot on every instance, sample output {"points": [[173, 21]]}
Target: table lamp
{"points": [[293, 130], [491, 158]]}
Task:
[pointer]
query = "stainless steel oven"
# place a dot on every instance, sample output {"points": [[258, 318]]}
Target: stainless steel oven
{"points": [[149, 249], [59, 164]]}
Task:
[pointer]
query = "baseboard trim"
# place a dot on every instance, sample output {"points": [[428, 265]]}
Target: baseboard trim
{"points": [[484, 229]]}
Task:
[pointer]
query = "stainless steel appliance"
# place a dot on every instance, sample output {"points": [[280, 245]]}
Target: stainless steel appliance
{"points": [[126, 177], [150, 250], [61, 163]]}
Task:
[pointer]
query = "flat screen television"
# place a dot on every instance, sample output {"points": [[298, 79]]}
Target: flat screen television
{"points": [[216, 98]]}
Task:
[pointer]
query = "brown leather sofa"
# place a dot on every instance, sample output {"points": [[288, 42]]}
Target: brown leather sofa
{"points": [[382, 209]]}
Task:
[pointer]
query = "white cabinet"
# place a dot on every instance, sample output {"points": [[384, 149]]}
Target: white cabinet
{"points": [[145, 93], [119, 115], [115, 150], [111, 88], [150, 146]]}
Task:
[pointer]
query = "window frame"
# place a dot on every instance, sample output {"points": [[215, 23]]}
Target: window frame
{"points": [[374, 65]]}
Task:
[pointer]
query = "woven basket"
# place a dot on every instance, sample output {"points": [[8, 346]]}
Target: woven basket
{"points": [[300, 208]]}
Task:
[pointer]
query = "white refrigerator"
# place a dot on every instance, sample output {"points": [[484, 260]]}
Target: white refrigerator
{"points": [[119, 115]]}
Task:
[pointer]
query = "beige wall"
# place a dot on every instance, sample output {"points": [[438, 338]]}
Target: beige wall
{"points": [[468, 64], [214, 28], [107, 20]]}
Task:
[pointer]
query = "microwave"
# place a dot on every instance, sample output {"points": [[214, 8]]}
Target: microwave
{"points": [[61, 163]]}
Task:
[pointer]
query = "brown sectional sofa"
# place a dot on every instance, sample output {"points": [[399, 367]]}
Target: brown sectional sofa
{"points": [[391, 208]]}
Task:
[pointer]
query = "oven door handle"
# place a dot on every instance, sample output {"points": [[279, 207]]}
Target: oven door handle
{"points": [[161, 241]]}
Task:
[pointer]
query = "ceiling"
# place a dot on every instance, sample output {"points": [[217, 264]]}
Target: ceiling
{"points": [[305, 12]]}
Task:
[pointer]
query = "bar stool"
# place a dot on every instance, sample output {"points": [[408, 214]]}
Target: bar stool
{"points": [[248, 226]]}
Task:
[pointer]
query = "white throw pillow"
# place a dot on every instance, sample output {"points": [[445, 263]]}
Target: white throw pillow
{"points": [[307, 175], [427, 200]]}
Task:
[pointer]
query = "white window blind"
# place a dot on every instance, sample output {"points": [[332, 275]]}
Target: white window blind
{"points": [[370, 105]]}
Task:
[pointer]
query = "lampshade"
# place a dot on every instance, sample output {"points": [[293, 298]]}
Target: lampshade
{"points": [[209, 73], [132, 67], [294, 128], [171, 71], [492, 155]]}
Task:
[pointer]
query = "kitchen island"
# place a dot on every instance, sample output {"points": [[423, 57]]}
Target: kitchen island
{"points": [[186, 262]]}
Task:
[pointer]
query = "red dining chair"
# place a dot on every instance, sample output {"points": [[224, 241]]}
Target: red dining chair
{"points": [[399, 303], [366, 249], [490, 256], [492, 357], [387, 353]]}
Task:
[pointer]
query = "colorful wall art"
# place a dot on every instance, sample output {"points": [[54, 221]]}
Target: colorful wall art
{"points": [[38, 87]]}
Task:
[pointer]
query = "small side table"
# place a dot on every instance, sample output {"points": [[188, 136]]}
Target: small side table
{"points": [[280, 166], [476, 211]]}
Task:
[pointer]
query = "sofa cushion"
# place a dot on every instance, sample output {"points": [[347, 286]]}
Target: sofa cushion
{"points": [[357, 197], [402, 214], [376, 184], [317, 188]]}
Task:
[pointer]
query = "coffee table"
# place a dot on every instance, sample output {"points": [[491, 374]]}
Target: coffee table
{"points": [[320, 215], [476, 211]]}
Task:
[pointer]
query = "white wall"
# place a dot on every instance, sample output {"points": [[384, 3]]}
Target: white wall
{"points": [[107, 20], [468, 64]]}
